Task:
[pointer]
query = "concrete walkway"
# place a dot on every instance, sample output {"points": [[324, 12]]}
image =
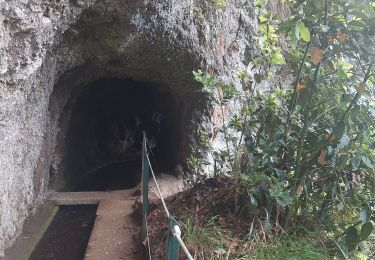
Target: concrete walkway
{"points": [[89, 197], [116, 234]]}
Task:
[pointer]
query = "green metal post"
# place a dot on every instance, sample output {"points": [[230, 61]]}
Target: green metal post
{"points": [[145, 177], [173, 245]]}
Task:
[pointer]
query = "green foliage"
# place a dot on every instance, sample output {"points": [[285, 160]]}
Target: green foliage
{"points": [[210, 241], [288, 247], [207, 242], [220, 4], [309, 150], [221, 94], [303, 31], [270, 51]]}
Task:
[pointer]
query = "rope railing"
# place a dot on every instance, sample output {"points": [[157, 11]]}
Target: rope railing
{"points": [[174, 236], [157, 188]]}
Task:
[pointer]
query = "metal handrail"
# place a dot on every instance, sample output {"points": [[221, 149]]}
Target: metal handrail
{"points": [[174, 237]]}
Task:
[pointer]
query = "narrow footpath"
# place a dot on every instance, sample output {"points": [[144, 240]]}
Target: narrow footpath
{"points": [[116, 234]]}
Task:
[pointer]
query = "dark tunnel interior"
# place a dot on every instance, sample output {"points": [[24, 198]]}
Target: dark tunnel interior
{"points": [[103, 144]]}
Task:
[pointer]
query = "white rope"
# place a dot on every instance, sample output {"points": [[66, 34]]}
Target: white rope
{"points": [[176, 229], [148, 239], [177, 234], [157, 187]]}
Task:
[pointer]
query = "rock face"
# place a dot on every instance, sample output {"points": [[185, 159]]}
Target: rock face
{"points": [[50, 50]]}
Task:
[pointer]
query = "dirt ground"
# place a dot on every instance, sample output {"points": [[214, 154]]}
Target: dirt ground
{"points": [[215, 197]]}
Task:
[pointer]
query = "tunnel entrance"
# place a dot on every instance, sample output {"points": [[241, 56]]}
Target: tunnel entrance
{"points": [[103, 143]]}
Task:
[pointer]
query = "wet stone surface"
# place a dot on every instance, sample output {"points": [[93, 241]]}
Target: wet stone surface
{"points": [[68, 234]]}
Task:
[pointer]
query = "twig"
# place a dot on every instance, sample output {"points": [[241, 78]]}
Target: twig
{"points": [[294, 95], [358, 94], [220, 95]]}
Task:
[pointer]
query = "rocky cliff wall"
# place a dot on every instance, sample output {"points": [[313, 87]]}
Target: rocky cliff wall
{"points": [[50, 49]]}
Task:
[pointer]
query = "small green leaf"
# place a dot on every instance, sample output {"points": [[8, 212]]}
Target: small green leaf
{"points": [[253, 201], [245, 177], [366, 230], [277, 58], [258, 77], [296, 30], [281, 195], [367, 162], [287, 26], [267, 226], [293, 41], [351, 237], [364, 215], [241, 74], [342, 161], [318, 4], [356, 161], [304, 32], [344, 141], [338, 130]]}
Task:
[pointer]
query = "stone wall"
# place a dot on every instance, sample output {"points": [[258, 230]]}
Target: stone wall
{"points": [[50, 49]]}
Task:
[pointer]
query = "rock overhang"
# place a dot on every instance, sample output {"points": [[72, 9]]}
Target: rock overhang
{"points": [[49, 50]]}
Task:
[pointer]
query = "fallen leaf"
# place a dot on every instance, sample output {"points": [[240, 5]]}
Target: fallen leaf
{"points": [[300, 86], [262, 236], [330, 137], [330, 40], [220, 251], [222, 222], [322, 157], [232, 247], [342, 37], [316, 55], [361, 87], [356, 178]]}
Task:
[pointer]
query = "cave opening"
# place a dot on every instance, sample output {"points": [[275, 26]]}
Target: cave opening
{"points": [[103, 142]]}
